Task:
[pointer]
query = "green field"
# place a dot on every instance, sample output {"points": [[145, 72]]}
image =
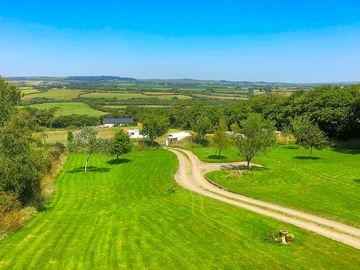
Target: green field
{"points": [[69, 108], [328, 185], [26, 90], [130, 95], [58, 94], [121, 216]]}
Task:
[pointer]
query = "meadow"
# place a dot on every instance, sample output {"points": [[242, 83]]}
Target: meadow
{"points": [[69, 108], [26, 90], [327, 185], [56, 94], [121, 215]]}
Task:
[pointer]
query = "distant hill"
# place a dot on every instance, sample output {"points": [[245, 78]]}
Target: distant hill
{"points": [[169, 82], [99, 78]]}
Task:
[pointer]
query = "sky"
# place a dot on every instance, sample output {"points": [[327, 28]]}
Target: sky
{"points": [[258, 40]]}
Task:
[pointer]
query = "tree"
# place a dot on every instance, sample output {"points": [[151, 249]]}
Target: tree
{"points": [[308, 135], [70, 137], [254, 136], [86, 142], [202, 126], [154, 126], [9, 98], [221, 139], [287, 132], [22, 157], [122, 144]]}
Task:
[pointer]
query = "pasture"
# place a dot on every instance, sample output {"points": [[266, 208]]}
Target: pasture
{"points": [[120, 215], [26, 90], [57, 94], [327, 185], [69, 108]]}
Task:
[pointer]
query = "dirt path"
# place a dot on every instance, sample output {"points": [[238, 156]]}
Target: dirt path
{"points": [[191, 176]]}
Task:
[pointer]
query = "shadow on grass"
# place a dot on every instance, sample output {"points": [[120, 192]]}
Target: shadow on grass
{"points": [[352, 151], [292, 147], [90, 169], [357, 181], [347, 147], [307, 158], [217, 157], [243, 168], [118, 161]]}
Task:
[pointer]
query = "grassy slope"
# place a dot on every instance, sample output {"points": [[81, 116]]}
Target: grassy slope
{"points": [[70, 108], [328, 186], [122, 217]]}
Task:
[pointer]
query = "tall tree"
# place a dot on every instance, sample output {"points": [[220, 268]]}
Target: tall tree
{"points": [[254, 136], [202, 126], [122, 144], [87, 142], [22, 159], [308, 135], [9, 98], [221, 139], [154, 126]]}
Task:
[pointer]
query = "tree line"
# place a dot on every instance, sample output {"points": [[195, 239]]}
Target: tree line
{"points": [[24, 157]]}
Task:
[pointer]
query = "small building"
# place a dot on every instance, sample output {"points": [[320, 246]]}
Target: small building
{"points": [[177, 136], [112, 122], [134, 134]]}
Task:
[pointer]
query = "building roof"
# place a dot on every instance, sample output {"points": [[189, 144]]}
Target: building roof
{"points": [[118, 121], [179, 134]]}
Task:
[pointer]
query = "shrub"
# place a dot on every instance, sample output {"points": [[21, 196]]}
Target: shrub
{"points": [[56, 150], [8, 203]]}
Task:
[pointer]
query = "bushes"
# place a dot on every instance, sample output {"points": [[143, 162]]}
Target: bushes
{"points": [[74, 120], [8, 203], [56, 150]]}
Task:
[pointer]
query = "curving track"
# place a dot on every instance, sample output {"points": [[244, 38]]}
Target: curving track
{"points": [[191, 176]]}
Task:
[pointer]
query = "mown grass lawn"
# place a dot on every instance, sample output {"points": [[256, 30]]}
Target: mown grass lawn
{"points": [[121, 216], [328, 185]]}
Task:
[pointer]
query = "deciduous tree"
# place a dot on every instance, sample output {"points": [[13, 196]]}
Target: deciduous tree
{"points": [[202, 126], [9, 98], [122, 144], [221, 139], [154, 126], [308, 135], [86, 141], [254, 136]]}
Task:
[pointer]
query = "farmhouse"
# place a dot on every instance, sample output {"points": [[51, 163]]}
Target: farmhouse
{"points": [[111, 122], [134, 134], [177, 136]]}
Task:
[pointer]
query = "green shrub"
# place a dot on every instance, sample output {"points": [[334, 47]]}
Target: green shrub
{"points": [[8, 203]]}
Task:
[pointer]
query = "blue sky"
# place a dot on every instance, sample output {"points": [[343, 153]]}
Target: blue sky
{"points": [[290, 41]]}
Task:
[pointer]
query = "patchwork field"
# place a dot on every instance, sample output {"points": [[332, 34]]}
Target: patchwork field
{"points": [[130, 95], [69, 108], [328, 185], [220, 96], [122, 216], [143, 106]]}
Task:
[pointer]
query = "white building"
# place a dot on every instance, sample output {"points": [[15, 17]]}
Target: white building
{"points": [[177, 136], [134, 134]]}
